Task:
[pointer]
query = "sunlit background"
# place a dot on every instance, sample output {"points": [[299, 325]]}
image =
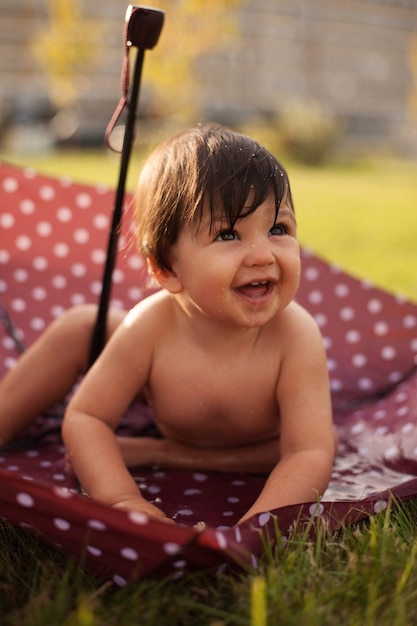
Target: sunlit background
{"points": [[330, 86]]}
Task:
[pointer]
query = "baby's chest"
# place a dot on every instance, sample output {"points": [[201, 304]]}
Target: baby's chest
{"points": [[221, 404]]}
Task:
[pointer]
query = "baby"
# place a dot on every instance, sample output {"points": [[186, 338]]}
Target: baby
{"points": [[232, 367]]}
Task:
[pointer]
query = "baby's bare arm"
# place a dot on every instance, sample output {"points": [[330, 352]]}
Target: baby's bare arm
{"points": [[256, 458], [95, 411]]}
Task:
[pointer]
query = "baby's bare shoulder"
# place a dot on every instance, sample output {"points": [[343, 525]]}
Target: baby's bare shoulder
{"points": [[296, 320], [153, 309]]}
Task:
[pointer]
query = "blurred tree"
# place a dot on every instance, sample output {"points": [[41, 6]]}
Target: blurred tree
{"points": [[413, 65], [68, 49], [192, 28], [70, 46]]}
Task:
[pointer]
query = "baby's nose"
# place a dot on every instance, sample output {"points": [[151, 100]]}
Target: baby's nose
{"points": [[259, 253]]}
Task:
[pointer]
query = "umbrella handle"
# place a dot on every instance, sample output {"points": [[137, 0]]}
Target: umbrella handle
{"points": [[143, 26]]}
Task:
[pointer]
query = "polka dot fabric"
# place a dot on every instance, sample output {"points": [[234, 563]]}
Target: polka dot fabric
{"points": [[52, 249]]}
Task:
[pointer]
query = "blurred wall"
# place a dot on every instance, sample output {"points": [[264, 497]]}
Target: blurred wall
{"points": [[352, 56]]}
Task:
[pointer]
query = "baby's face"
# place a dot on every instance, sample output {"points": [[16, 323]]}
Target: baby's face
{"points": [[244, 275]]}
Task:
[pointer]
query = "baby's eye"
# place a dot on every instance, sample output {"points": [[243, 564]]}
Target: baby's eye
{"points": [[278, 229], [226, 235]]}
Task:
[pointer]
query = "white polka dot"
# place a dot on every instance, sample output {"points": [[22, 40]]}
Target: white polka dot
{"points": [[118, 276], [135, 294], [353, 336], [39, 293], [264, 518], [26, 500], [59, 282], [27, 207], [32, 454], [37, 323], [407, 428], [374, 305], [7, 220], [358, 429], [81, 235], [10, 185], [359, 360], [327, 342], [311, 274], [315, 297], [46, 192], [119, 580], [95, 287], [62, 492], [403, 411], [98, 256], [4, 257], [379, 414], [388, 353], [135, 262], [60, 250], [233, 499], [381, 328], [77, 298], [184, 511], [40, 263], [395, 377], [199, 477], [97, 524], [129, 553], [138, 518], [23, 242], [336, 385], [316, 509], [64, 215], [347, 314], [410, 321], [83, 200], [341, 290], [78, 269], [18, 305], [221, 540], [321, 319], [101, 221], [21, 275], [62, 524], [366, 384], [392, 453], [380, 505], [171, 548], [44, 229], [94, 551]]}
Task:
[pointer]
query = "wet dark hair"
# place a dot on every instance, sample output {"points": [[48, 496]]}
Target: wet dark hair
{"points": [[206, 166]]}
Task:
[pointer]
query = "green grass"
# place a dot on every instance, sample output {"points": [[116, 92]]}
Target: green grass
{"points": [[363, 217], [363, 576]]}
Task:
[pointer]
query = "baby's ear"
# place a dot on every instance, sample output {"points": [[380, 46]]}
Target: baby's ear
{"points": [[167, 279]]}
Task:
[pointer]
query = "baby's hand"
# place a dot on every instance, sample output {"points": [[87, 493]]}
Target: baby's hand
{"points": [[143, 506]]}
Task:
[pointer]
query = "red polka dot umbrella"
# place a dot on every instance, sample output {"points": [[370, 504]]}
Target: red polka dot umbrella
{"points": [[53, 237]]}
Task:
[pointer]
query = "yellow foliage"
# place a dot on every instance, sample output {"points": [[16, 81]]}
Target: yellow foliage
{"points": [[192, 28], [67, 49]]}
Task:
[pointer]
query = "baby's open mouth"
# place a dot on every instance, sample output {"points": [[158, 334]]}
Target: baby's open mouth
{"points": [[255, 289]]}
